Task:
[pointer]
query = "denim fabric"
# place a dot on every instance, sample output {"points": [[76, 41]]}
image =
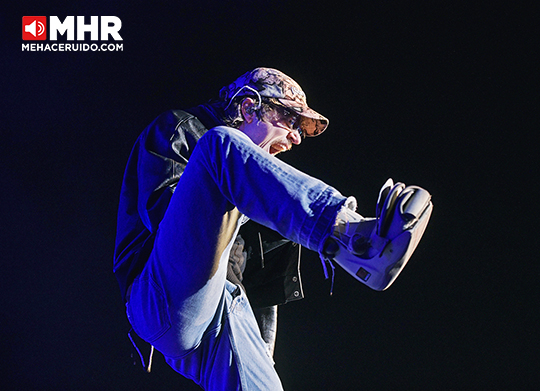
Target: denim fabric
{"points": [[181, 302]]}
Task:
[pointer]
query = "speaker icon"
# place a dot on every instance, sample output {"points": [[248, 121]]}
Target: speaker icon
{"points": [[31, 28], [34, 27]]}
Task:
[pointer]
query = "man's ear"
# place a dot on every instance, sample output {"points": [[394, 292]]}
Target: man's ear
{"points": [[248, 109]]}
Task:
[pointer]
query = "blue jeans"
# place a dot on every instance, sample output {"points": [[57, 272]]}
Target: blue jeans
{"points": [[181, 303]]}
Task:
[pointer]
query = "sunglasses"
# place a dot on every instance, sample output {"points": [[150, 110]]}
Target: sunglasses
{"points": [[285, 116]]}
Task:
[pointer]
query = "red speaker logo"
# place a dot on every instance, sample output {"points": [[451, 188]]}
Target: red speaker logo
{"points": [[34, 28]]}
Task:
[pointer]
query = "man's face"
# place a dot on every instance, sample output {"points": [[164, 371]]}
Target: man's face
{"points": [[276, 130]]}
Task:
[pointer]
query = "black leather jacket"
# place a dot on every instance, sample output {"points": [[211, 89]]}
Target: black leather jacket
{"points": [[272, 274]]}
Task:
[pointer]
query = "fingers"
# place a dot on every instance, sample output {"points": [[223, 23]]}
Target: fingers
{"points": [[237, 257]]}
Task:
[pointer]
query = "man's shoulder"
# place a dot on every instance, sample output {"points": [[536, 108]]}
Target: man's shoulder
{"points": [[173, 124], [181, 116], [172, 119]]}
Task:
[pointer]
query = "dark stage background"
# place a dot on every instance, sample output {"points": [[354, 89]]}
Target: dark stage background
{"points": [[440, 95]]}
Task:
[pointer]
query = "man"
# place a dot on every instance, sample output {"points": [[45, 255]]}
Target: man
{"points": [[187, 192]]}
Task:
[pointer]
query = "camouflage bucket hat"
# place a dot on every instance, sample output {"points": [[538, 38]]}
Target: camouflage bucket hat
{"points": [[271, 83]]}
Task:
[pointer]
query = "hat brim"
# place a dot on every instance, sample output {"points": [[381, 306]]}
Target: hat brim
{"points": [[311, 123]]}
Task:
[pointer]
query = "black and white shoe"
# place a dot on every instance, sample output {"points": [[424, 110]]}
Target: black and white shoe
{"points": [[375, 250]]}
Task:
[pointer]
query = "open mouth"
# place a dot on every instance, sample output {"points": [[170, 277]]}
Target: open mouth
{"points": [[279, 147]]}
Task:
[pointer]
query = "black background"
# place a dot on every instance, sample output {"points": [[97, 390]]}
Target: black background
{"points": [[439, 95]]}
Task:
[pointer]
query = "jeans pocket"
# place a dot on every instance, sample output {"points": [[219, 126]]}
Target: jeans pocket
{"points": [[147, 310]]}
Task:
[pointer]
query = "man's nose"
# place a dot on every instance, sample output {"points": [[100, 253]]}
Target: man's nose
{"points": [[294, 137]]}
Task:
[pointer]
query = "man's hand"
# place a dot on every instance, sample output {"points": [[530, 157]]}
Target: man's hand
{"points": [[237, 261]]}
